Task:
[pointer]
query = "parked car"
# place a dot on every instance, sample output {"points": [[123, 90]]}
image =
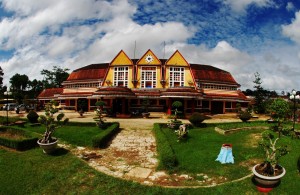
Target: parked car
{"points": [[23, 107], [9, 106]]}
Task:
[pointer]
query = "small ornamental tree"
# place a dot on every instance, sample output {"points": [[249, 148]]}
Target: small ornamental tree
{"points": [[49, 121], [273, 151], [99, 114], [176, 105], [174, 124], [279, 110], [32, 116]]}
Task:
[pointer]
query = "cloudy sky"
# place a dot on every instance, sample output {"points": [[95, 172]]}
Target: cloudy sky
{"points": [[239, 36]]}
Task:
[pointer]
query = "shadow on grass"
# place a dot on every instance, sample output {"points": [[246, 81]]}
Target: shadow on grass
{"points": [[60, 152]]}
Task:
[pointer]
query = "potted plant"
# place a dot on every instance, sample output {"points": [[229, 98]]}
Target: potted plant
{"points": [[145, 105], [174, 124], [81, 105], [99, 114], [244, 115], [268, 173], [47, 142]]}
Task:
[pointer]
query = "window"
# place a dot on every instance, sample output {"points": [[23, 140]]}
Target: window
{"points": [[121, 76], [176, 77], [228, 105], [148, 77]]}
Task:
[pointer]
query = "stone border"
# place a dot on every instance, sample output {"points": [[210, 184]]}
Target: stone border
{"points": [[225, 132]]}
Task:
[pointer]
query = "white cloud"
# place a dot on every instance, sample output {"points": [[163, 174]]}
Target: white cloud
{"points": [[293, 30], [71, 43], [241, 5], [290, 6], [72, 34]]}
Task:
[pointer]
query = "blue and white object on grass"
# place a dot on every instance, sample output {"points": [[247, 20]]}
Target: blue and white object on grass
{"points": [[225, 155]]}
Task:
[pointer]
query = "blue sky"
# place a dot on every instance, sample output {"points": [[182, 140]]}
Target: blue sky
{"points": [[239, 36]]}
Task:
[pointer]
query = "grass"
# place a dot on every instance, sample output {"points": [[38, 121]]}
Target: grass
{"points": [[198, 153], [32, 172], [75, 134]]}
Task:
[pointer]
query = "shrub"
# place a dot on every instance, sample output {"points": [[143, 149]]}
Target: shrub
{"points": [[32, 116], [166, 155], [197, 118], [101, 140], [298, 164], [25, 143], [245, 116]]}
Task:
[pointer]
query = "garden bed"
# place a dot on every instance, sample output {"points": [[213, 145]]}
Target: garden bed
{"points": [[225, 132], [17, 139]]}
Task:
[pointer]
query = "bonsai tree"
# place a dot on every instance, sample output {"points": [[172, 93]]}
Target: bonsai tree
{"points": [[273, 151], [174, 124], [145, 106], [244, 115], [99, 114], [81, 105], [49, 121], [182, 132], [279, 110], [176, 105]]}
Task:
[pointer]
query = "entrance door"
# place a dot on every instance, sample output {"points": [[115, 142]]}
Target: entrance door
{"points": [[82, 104], [217, 107]]}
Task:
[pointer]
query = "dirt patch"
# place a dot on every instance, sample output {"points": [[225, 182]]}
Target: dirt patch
{"points": [[11, 135], [253, 140]]}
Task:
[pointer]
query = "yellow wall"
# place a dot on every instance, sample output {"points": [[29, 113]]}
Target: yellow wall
{"points": [[177, 60], [123, 60], [158, 75], [110, 77], [187, 77]]}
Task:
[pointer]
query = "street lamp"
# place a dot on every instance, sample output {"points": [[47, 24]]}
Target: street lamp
{"points": [[294, 97], [7, 93]]}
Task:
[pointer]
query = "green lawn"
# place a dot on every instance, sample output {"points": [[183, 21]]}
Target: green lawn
{"points": [[33, 172], [198, 153]]}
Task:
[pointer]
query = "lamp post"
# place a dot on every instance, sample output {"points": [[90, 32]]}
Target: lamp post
{"points": [[7, 93], [294, 97]]}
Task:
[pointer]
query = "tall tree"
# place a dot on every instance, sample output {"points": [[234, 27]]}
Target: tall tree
{"points": [[55, 77], [259, 95], [36, 86], [1, 78], [19, 83]]}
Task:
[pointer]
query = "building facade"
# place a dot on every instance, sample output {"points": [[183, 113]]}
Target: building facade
{"points": [[124, 83]]}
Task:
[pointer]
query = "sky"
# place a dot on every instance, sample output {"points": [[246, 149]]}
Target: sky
{"points": [[239, 36]]}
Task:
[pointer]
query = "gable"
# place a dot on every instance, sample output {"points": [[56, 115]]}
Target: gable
{"points": [[177, 60], [149, 59], [121, 59]]}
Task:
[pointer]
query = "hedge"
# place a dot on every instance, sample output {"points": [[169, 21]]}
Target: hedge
{"points": [[103, 138], [27, 143], [166, 155]]}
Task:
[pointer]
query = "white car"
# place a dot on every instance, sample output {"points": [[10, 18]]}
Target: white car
{"points": [[9, 106]]}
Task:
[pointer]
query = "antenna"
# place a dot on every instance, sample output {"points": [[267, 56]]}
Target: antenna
{"points": [[164, 50], [134, 49]]}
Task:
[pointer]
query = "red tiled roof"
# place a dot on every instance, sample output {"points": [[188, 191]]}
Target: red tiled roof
{"points": [[114, 92], [49, 93], [183, 92], [146, 93], [93, 71], [79, 94], [239, 95], [206, 73]]}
